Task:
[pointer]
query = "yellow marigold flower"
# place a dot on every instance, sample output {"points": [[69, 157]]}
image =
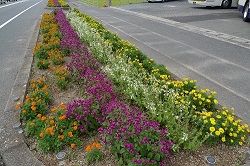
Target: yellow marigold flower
{"points": [[242, 138], [32, 123], [216, 101], [230, 134], [223, 139], [217, 133], [221, 130], [212, 129], [235, 134], [240, 143], [213, 123], [212, 119], [231, 141], [218, 116], [23, 111]]}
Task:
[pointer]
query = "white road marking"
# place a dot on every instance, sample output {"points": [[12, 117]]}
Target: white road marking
{"points": [[1, 26], [245, 43], [12, 4]]}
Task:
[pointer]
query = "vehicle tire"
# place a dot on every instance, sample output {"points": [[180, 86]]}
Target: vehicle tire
{"points": [[245, 12], [226, 4]]}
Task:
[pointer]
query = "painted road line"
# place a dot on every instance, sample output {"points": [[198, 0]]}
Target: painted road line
{"points": [[245, 43], [13, 4], [1, 26]]}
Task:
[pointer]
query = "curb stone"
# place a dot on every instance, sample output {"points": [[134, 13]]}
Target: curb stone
{"points": [[13, 149]]}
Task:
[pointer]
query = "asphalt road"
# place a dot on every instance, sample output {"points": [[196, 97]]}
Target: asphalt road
{"points": [[17, 22], [208, 45]]}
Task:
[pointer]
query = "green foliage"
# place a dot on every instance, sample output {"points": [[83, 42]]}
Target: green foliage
{"points": [[94, 155], [43, 64]]}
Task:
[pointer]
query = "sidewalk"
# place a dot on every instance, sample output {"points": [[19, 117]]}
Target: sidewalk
{"points": [[13, 149]]}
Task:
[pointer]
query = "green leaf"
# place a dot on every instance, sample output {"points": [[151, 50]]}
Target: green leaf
{"points": [[157, 157], [122, 150], [150, 155]]}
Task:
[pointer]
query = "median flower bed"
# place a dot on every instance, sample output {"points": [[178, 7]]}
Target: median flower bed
{"points": [[57, 3], [140, 112]]}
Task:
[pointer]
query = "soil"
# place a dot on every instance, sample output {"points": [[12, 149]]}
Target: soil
{"points": [[225, 155]]}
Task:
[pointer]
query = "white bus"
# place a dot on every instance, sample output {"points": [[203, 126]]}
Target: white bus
{"points": [[243, 7], [213, 3]]}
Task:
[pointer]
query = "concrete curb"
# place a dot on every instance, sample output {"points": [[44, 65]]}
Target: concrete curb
{"points": [[13, 148]]}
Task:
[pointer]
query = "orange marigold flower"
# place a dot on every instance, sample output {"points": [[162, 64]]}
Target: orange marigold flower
{"points": [[44, 88], [42, 79], [47, 130], [39, 115], [23, 111], [75, 127], [63, 106], [53, 109], [94, 144], [17, 106], [46, 93], [72, 145], [52, 133], [33, 103], [88, 148], [98, 145], [52, 121], [61, 130], [33, 86], [33, 108], [62, 117], [41, 135], [44, 118], [70, 134]]}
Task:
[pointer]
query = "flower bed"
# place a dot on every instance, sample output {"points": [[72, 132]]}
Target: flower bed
{"points": [[140, 118], [57, 3]]}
